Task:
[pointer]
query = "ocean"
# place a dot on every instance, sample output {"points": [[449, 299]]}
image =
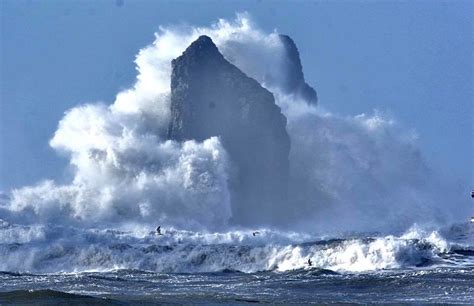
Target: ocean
{"points": [[67, 265], [263, 196]]}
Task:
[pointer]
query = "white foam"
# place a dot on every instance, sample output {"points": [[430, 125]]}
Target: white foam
{"points": [[61, 249], [348, 173]]}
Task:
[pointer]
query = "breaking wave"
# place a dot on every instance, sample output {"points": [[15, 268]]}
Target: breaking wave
{"points": [[61, 249]]}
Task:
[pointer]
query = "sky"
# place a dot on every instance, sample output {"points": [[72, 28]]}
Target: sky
{"points": [[412, 61]]}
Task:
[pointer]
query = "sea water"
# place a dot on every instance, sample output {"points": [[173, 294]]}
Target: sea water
{"points": [[56, 263]]}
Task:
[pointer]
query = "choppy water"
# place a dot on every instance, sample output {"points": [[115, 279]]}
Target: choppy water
{"points": [[440, 285], [53, 264]]}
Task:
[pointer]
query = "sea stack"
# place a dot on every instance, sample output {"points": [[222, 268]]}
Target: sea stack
{"points": [[212, 97], [293, 80]]}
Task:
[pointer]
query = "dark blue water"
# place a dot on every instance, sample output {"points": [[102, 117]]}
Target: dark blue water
{"points": [[428, 285]]}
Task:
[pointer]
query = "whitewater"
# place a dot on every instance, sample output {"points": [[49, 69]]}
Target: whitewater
{"points": [[364, 206]]}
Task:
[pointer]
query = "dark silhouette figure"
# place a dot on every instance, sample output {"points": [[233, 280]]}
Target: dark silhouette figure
{"points": [[255, 233], [158, 230], [310, 263], [472, 196]]}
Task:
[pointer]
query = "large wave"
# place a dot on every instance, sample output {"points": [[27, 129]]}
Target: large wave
{"points": [[363, 172], [46, 249]]}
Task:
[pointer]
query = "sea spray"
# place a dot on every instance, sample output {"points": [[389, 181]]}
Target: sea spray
{"points": [[347, 173], [66, 249]]}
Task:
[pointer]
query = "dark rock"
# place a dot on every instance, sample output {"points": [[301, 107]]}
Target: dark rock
{"points": [[212, 97], [293, 80]]}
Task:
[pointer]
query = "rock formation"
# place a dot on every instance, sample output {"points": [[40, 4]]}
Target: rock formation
{"points": [[293, 80], [212, 97]]}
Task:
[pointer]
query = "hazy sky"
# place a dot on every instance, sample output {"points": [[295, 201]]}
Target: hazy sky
{"points": [[411, 60]]}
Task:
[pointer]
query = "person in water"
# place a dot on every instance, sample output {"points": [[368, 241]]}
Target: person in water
{"points": [[310, 263]]}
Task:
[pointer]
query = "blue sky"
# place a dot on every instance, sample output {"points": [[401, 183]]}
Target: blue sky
{"points": [[411, 60]]}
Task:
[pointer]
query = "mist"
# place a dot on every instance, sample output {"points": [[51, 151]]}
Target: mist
{"points": [[347, 173]]}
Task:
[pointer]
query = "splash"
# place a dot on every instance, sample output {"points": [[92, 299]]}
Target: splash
{"points": [[347, 173], [40, 249]]}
